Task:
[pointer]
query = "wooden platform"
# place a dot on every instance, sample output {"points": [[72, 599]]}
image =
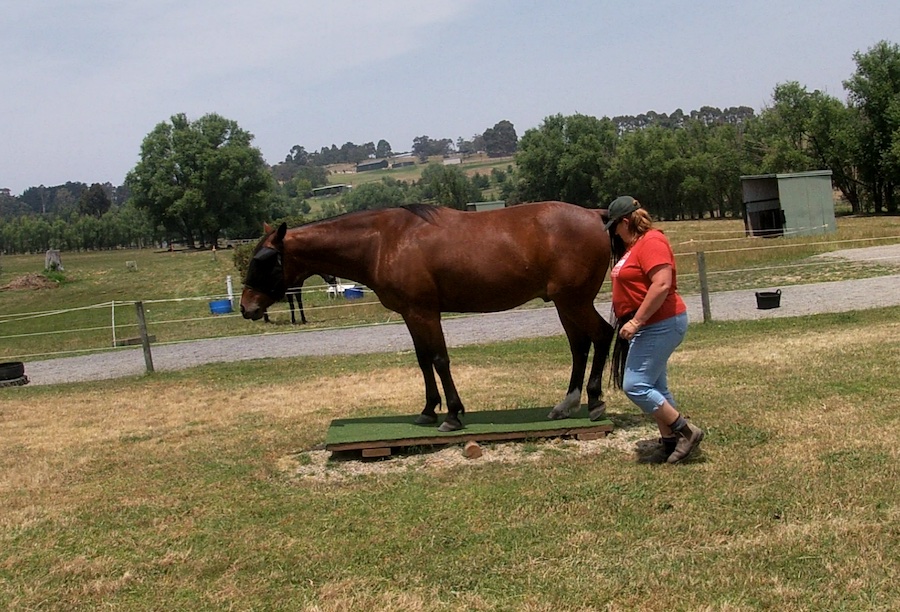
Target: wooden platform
{"points": [[377, 436]]}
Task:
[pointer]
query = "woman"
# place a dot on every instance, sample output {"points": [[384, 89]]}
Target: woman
{"points": [[652, 320]]}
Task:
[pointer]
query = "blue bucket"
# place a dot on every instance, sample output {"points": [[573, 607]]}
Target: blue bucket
{"points": [[353, 293], [220, 306]]}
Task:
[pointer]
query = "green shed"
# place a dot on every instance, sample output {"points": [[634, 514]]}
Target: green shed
{"points": [[478, 206], [796, 204]]}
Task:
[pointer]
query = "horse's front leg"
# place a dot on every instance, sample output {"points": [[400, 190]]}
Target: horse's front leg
{"points": [[290, 299], [432, 396], [431, 352]]}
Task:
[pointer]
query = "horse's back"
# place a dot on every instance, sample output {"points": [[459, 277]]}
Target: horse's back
{"points": [[530, 233], [498, 259]]}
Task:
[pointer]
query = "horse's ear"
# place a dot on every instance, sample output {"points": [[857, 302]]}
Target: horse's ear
{"points": [[279, 234], [267, 229]]}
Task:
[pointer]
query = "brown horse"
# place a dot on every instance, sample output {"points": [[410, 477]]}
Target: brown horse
{"points": [[423, 260]]}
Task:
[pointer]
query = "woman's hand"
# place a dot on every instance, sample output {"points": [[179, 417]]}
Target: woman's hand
{"points": [[629, 329]]}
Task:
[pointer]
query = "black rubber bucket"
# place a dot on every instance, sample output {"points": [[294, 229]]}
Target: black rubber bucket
{"points": [[768, 299], [12, 374]]}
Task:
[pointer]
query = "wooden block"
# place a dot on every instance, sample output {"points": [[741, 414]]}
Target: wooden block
{"points": [[384, 451], [472, 450], [591, 435]]}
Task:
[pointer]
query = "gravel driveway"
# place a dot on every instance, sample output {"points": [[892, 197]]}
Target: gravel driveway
{"points": [[796, 300]]}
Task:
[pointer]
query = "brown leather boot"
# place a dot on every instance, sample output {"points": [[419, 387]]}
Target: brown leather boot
{"points": [[688, 439]]}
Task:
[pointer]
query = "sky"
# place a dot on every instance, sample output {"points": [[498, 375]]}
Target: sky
{"points": [[83, 82]]}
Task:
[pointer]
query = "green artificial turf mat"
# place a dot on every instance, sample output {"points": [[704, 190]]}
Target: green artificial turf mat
{"points": [[388, 428]]}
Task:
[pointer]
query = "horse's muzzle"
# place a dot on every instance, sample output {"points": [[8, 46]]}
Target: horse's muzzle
{"points": [[254, 314]]}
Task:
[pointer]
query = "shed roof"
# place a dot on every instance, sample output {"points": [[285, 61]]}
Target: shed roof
{"points": [[787, 175]]}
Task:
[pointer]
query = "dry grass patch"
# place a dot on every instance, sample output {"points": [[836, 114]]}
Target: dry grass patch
{"points": [[198, 489]]}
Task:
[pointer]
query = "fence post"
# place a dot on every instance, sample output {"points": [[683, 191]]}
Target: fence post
{"points": [[114, 323], [145, 339], [704, 286]]}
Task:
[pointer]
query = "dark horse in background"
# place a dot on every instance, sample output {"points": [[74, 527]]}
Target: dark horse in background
{"points": [[292, 293], [424, 260]]}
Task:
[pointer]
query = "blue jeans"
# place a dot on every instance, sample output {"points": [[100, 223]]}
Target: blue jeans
{"points": [[648, 355]]}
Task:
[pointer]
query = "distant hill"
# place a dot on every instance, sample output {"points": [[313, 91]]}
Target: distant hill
{"points": [[474, 164]]}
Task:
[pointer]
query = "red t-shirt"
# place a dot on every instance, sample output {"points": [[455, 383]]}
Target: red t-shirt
{"points": [[630, 280]]}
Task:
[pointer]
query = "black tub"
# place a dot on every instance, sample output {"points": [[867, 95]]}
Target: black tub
{"points": [[768, 299]]}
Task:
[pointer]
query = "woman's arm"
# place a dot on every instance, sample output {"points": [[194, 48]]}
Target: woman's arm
{"points": [[660, 285]]}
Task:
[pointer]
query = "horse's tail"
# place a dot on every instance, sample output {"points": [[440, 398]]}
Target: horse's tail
{"points": [[620, 351]]}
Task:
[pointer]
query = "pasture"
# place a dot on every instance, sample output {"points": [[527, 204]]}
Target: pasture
{"points": [[99, 288], [204, 489]]}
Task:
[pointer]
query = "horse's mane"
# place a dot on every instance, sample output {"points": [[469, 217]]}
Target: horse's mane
{"points": [[426, 212]]}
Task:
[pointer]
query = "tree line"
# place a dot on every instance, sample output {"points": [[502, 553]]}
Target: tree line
{"points": [[199, 181], [689, 166], [498, 141]]}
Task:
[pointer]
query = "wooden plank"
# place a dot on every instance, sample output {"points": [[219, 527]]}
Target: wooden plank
{"points": [[376, 452], [437, 440], [591, 435]]}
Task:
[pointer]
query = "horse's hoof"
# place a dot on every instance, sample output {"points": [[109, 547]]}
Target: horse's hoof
{"points": [[571, 404], [558, 413], [426, 419], [448, 426], [596, 413]]}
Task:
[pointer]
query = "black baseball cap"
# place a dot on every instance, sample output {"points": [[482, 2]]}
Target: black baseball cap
{"points": [[621, 207]]}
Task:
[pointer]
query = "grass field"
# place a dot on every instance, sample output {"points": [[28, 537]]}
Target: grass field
{"points": [[346, 174], [77, 316], [204, 489], [482, 165]]}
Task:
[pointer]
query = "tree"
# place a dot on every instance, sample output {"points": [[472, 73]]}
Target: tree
{"points": [[424, 147], [383, 149], [353, 154], [465, 147], [11, 206], [449, 186], [567, 158], [198, 178], [780, 135], [804, 131], [875, 93], [59, 199], [500, 140], [369, 196], [649, 165], [94, 202]]}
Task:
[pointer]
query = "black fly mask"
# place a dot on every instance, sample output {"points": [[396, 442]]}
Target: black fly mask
{"points": [[266, 274]]}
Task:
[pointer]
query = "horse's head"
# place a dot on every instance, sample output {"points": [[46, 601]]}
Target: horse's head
{"points": [[265, 282]]}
